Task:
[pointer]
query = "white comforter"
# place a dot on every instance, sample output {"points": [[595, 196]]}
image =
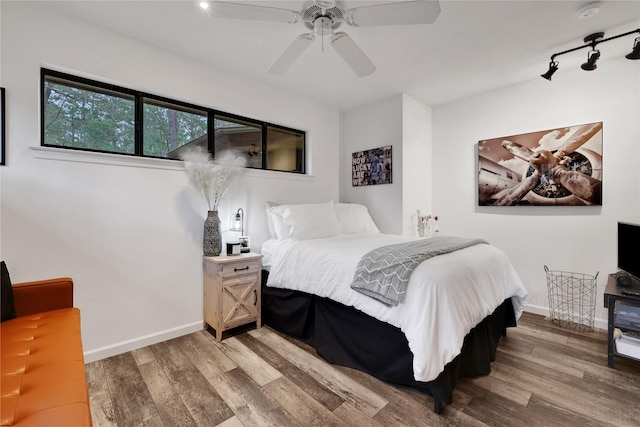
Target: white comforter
{"points": [[447, 294]]}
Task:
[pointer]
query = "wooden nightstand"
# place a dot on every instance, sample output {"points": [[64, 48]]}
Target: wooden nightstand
{"points": [[232, 291]]}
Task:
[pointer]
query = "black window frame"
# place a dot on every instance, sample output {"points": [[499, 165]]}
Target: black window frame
{"points": [[140, 97]]}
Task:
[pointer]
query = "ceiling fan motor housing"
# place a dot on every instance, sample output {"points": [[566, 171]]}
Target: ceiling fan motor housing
{"points": [[322, 23]]}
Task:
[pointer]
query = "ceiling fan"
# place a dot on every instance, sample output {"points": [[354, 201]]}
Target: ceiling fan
{"points": [[323, 17]]}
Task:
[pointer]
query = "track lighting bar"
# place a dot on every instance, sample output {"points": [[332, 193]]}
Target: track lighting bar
{"points": [[592, 41]]}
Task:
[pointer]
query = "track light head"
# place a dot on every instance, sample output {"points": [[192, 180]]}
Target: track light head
{"points": [[553, 67], [635, 53], [590, 65]]}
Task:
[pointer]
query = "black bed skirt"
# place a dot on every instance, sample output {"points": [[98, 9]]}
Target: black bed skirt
{"points": [[345, 336]]}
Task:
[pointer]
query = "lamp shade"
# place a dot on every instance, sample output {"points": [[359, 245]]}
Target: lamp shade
{"points": [[237, 221]]}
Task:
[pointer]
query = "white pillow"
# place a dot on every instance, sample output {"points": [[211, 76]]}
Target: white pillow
{"points": [[355, 218], [305, 221], [272, 229]]}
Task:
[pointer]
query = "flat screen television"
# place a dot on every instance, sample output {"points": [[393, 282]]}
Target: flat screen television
{"points": [[628, 245]]}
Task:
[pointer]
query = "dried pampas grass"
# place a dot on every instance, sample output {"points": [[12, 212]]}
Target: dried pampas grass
{"points": [[213, 178]]}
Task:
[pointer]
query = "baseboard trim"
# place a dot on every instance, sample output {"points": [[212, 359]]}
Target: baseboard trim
{"points": [[133, 344], [544, 311], [124, 346]]}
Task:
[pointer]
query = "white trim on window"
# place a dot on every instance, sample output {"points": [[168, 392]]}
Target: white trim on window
{"points": [[66, 155]]}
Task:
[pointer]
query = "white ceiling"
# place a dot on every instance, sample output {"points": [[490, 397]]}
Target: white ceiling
{"points": [[473, 47]]}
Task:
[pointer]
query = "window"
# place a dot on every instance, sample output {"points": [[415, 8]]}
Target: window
{"points": [[285, 150], [237, 134], [168, 127], [87, 117], [83, 114]]}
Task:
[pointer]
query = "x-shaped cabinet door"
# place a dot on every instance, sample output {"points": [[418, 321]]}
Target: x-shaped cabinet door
{"points": [[239, 301]]}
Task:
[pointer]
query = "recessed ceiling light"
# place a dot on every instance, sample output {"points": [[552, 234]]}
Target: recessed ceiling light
{"points": [[589, 10], [204, 5]]}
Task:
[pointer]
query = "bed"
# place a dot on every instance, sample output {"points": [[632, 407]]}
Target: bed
{"points": [[448, 325]]}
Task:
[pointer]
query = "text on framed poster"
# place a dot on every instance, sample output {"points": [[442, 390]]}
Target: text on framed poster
{"points": [[371, 167]]}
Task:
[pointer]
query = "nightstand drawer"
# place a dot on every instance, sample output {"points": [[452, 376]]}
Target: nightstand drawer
{"points": [[240, 268]]}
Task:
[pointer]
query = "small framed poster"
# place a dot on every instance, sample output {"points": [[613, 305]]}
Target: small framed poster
{"points": [[371, 167]]}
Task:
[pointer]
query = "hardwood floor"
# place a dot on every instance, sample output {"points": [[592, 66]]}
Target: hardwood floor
{"points": [[543, 376]]}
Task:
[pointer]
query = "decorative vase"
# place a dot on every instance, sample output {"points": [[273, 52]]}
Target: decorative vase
{"points": [[428, 229], [212, 239]]}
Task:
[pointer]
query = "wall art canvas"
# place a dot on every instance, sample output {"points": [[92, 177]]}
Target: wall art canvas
{"points": [[555, 167], [371, 167]]}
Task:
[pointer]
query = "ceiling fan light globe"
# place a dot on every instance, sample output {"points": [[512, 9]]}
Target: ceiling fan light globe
{"points": [[322, 26]]}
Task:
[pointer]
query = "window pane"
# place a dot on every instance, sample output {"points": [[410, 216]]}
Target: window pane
{"points": [[285, 150], [169, 129], [87, 117], [239, 135]]}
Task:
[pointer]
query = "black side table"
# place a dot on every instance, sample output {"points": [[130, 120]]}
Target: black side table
{"points": [[612, 294]]}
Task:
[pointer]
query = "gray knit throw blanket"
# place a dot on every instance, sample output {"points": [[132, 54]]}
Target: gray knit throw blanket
{"points": [[383, 273]]}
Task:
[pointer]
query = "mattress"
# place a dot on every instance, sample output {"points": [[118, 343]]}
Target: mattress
{"points": [[447, 295]]}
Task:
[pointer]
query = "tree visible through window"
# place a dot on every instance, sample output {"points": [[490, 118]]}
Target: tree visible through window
{"points": [[88, 118], [167, 128]]}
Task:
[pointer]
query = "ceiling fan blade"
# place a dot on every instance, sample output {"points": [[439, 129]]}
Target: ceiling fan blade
{"points": [[289, 56], [352, 54], [404, 13], [223, 9]]}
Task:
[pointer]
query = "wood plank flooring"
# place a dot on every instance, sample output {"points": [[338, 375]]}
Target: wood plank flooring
{"points": [[543, 376]]}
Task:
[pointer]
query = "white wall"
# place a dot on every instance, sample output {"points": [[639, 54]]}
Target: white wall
{"points": [[404, 123], [417, 162], [130, 236], [578, 239], [374, 126]]}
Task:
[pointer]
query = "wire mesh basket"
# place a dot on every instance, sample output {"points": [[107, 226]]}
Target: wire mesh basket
{"points": [[572, 299]]}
